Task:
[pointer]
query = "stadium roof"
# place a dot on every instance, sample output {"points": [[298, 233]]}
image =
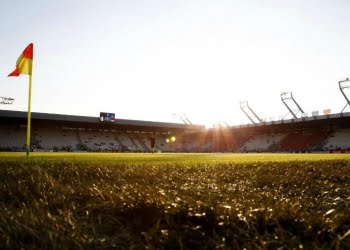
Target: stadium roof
{"points": [[88, 121], [312, 122], [338, 118]]}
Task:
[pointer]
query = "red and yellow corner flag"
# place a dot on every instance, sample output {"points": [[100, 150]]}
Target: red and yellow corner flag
{"points": [[24, 65], [24, 62]]}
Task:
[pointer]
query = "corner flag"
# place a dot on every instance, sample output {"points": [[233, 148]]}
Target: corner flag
{"points": [[24, 65]]}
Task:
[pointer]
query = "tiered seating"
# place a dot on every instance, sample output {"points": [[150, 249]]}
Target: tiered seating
{"points": [[302, 141], [262, 143], [161, 141], [204, 142], [216, 140], [340, 139], [12, 138], [189, 142], [176, 146], [89, 138], [127, 142], [205, 146], [108, 140], [207, 141], [222, 140], [137, 142], [100, 140], [49, 139], [193, 142], [145, 140]]}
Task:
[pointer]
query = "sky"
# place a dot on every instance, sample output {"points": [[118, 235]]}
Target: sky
{"points": [[148, 60]]}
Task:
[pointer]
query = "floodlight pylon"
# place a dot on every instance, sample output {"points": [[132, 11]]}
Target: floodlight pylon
{"points": [[247, 109], [6, 100], [186, 118], [226, 124], [344, 85], [183, 118], [289, 96]]}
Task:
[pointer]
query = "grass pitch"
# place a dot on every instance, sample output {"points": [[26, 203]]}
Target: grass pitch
{"points": [[174, 201]]}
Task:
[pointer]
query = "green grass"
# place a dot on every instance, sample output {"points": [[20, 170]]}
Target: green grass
{"points": [[174, 201], [141, 158]]}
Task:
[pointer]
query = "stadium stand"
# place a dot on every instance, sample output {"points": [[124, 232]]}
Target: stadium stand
{"points": [[205, 143], [301, 141], [56, 139], [338, 140], [12, 138], [94, 140], [127, 142], [262, 143], [189, 143], [51, 132], [138, 144], [162, 144], [145, 140], [228, 139], [108, 141]]}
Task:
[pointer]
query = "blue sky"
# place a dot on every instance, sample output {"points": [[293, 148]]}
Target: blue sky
{"points": [[147, 60]]}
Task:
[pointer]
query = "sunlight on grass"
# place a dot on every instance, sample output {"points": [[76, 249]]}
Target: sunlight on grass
{"points": [[192, 201], [175, 157]]}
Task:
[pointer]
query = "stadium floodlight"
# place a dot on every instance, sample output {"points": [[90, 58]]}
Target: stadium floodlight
{"points": [[285, 97], [186, 118], [247, 109], [6, 100], [171, 139], [183, 118], [344, 86], [180, 117], [217, 125], [225, 124]]}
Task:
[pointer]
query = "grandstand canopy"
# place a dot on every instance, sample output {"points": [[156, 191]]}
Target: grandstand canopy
{"points": [[341, 120], [8, 117], [87, 122]]}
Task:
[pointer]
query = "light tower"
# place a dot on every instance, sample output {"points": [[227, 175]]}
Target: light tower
{"points": [[344, 85], [186, 119], [247, 110], [286, 96], [183, 118]]}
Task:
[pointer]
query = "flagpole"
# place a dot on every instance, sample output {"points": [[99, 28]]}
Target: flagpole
{"points": [[29, 116]]}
